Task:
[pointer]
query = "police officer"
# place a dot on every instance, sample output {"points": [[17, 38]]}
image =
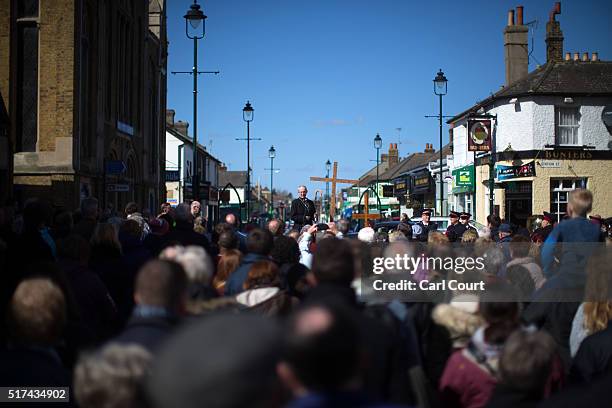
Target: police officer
{"points": [[546, 227], [424, 227], [452, 230], [302, 209], [464, 224]]}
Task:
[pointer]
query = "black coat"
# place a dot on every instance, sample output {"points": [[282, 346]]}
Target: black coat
{"points": [[594, 357], [425, 230], [302, 212], [184, 234], [148, 332], [36, 366]]}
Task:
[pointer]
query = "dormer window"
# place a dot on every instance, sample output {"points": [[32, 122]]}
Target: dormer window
{"points": [[567, 121]]}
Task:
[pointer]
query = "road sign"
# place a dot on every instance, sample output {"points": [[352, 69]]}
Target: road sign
{"points": [[117, 188], [115, 167]]}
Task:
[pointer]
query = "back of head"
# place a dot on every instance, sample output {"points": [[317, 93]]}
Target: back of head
{"points": [[367, 235], [581, 201], [519, 246], [195, 262], [323, 348], [501, 315], [526, 361], [276, 227], [182, 213], [75, 248], [343, 226], [333, 262], [228, 240], [262, 273], [221, 361], [131, 228], [106, 234], [285, 250], [89, 208], [494, 220], [161, 283], [36, 212], [231, 220], [405, 229], [37, 313], [131, 208], [112, 377], [259, 241]]}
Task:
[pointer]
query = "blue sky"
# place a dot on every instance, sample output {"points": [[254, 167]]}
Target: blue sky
{"points": [[324, 76]]}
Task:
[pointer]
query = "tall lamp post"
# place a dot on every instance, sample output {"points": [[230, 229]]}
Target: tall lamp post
{"points": [[247, 115], [377, 146], [327, 169], [440, 89], [272, 155], [195, 18]]}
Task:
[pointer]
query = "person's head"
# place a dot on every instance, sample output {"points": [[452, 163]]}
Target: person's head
{"points": [[501, 317], [106, 234], [404, 217], [580, 202], [37, 313], [426, 216], [131, 208], [195, 262], [195, 208], [75, 248], [343, 226], [89, 208], [493, 221], [231, 220], [333, 262], [163, 284], [367, 235], [520, 246], [597, 300], [285, 250], [464, 218], [547, 219], [469, 236], [227, 240], [225, 360], [437, 238], [453, 217], [276, 227], [37, 213], [323, 351], [259, 241], [262, 273], [526, 361], [130, 228], [405, 229], [63, 223], [395, 236], [294, 234], [112, 377], [182, 214], [505, 230], [302, 191], [165, 208]]}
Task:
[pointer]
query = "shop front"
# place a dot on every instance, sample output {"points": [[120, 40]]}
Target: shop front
{"points": [[421, 191], [463, 189]]}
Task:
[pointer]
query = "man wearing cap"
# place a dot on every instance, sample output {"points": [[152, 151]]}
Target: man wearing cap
{"points": [[452, 232], [464, 224], [540, 234], [426, 226]]}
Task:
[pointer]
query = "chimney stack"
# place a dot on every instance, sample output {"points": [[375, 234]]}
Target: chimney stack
{"points": [[554, 37], [568, 56], [576, 56], [594, 57], [516, 47], [170, 117], [585, 56], [393, 154], [182, 127], [429, 148]]}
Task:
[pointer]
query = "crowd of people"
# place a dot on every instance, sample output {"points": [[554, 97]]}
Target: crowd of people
{"points": [[154, 311]]}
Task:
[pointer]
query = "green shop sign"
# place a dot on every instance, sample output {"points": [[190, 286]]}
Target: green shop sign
{"points": [[463, 180]]}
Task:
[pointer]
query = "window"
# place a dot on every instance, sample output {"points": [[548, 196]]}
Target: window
{"points": [[568, 125], [559, 194], [27, 76]]}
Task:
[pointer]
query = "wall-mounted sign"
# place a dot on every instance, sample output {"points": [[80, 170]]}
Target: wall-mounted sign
{"points": [[479, 135], [463, 179], [550, 164], [400, 187], [117, 188], [568, 154], [510, 172]]}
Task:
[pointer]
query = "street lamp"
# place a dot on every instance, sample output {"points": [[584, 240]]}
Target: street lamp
{"points": [[377, 146], [195, 18], [247, 116], [271, 155], [440, 89], [327, 168]]}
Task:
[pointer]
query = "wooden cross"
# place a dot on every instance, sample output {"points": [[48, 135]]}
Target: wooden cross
{"points": [[366, 211], [333, 180]]}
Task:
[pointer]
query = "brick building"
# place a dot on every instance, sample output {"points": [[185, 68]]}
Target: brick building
{"points": [[84, 83]]}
